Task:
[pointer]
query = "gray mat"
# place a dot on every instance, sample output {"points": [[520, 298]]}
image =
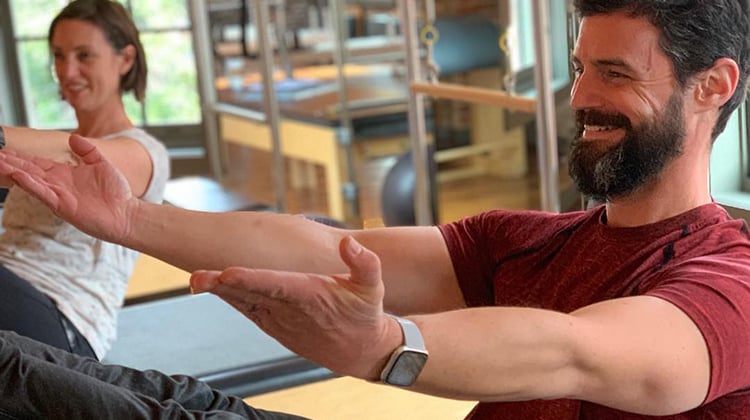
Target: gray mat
{"points": [[201, 336]]}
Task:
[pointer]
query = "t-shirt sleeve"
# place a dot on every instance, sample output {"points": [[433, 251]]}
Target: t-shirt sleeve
{"points": [[714, 292], [477, 245], [471, 260]]}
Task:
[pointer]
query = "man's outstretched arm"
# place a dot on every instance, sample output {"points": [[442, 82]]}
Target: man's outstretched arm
{"points": [[639, 354], [94, 197]]}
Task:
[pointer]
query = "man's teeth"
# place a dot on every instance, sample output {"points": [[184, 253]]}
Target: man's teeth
{"points": [[600, 127]]}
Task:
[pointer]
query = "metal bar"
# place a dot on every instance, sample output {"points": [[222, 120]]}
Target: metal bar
{"points": [[238, 111], [370, 103], [417, 129], [244, 20], [339, 59], [475, 95], [465, 151], [270, 104], [281, 30], [15, 103], [204, 60], [545, 122]]}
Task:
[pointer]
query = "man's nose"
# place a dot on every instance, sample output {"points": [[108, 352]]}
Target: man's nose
{"points": [[586, 93]]}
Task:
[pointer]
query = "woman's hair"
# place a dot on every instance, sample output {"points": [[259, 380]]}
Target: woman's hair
{"points": [[115, 22], [694, 34]]}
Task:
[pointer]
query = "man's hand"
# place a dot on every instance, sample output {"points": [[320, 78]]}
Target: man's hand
{"points": [[93, 195], [336, 321]]}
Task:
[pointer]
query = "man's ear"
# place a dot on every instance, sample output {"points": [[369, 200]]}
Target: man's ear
{"points": [[717, 85], [128, 58]]}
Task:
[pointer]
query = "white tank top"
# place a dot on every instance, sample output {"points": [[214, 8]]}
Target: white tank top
{"points": [[85, 277]]}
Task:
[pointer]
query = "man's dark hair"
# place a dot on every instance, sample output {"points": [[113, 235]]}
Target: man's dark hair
{"points": [[694, 34], [114, 20]]}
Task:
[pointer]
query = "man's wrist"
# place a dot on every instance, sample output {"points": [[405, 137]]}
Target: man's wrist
{"points": [[407, 361], [392, 339], [140, 226]]}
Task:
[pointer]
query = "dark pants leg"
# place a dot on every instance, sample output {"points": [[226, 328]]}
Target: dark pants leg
{"points": [[29, 312], [44, 382]]}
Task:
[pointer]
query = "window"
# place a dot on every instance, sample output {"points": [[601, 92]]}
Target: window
{"points": [[727, 164], [523, 44], [172, 96]]}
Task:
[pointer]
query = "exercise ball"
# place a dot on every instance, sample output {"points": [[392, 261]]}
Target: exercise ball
{"points": [[397, 196]]}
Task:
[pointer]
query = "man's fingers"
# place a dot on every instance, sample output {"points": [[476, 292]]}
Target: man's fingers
{"points": [[12, 162], [16, 170], [237, 284], [84, 149], [363, 263], [248, 291], [274, 284], [203, 281]]}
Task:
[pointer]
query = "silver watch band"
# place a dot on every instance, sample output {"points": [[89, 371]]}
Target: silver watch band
{"points": [[412, 336], [407, 361]]}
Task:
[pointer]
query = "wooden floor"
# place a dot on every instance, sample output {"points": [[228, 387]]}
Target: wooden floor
{"points": [[349, 398]]}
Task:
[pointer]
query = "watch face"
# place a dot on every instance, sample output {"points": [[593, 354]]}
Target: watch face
{"points": [[406, 368]]}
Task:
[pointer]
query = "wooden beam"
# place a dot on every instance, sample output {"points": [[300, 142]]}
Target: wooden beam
{"points": [[475, 95]]}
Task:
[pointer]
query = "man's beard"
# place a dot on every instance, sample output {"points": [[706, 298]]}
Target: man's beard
{"points": [[638, 158]]}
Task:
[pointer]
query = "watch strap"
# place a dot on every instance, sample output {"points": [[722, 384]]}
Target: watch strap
{"points": [[412, 336], [408, 359]]}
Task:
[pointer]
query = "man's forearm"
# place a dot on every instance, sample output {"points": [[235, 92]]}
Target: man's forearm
{"points": [[417, 270], [498, 354], [214, 241], [638, 354]]}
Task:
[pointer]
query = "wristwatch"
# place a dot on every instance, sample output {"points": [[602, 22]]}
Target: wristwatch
{"points": [[407, 360]]}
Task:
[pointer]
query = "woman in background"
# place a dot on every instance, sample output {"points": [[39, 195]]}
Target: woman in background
{"points": [[57, 284]]}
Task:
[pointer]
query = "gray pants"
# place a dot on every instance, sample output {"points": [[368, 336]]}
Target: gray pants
{"points": [[40, 381]]}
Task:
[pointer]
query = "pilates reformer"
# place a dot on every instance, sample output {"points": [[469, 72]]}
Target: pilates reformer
{"points": [[201, 336]]}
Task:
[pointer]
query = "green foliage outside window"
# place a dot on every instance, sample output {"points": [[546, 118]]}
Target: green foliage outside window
{"points": [[43, 103], [172, 95]]}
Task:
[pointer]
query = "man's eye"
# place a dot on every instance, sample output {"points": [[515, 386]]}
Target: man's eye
{"points": [[615, 74]]}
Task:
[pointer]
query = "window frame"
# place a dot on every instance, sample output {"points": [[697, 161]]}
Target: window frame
{"points": [[744, 130], [524, 31]]}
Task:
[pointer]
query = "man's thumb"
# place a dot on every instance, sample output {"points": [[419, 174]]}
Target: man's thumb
{"points": [[363, 263], [84, 149]]}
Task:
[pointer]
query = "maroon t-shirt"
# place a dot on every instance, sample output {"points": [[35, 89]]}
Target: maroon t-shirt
{"points": [[699, 261]]}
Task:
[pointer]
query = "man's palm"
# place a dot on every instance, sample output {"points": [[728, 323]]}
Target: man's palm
{"points": [[93, 195]]}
